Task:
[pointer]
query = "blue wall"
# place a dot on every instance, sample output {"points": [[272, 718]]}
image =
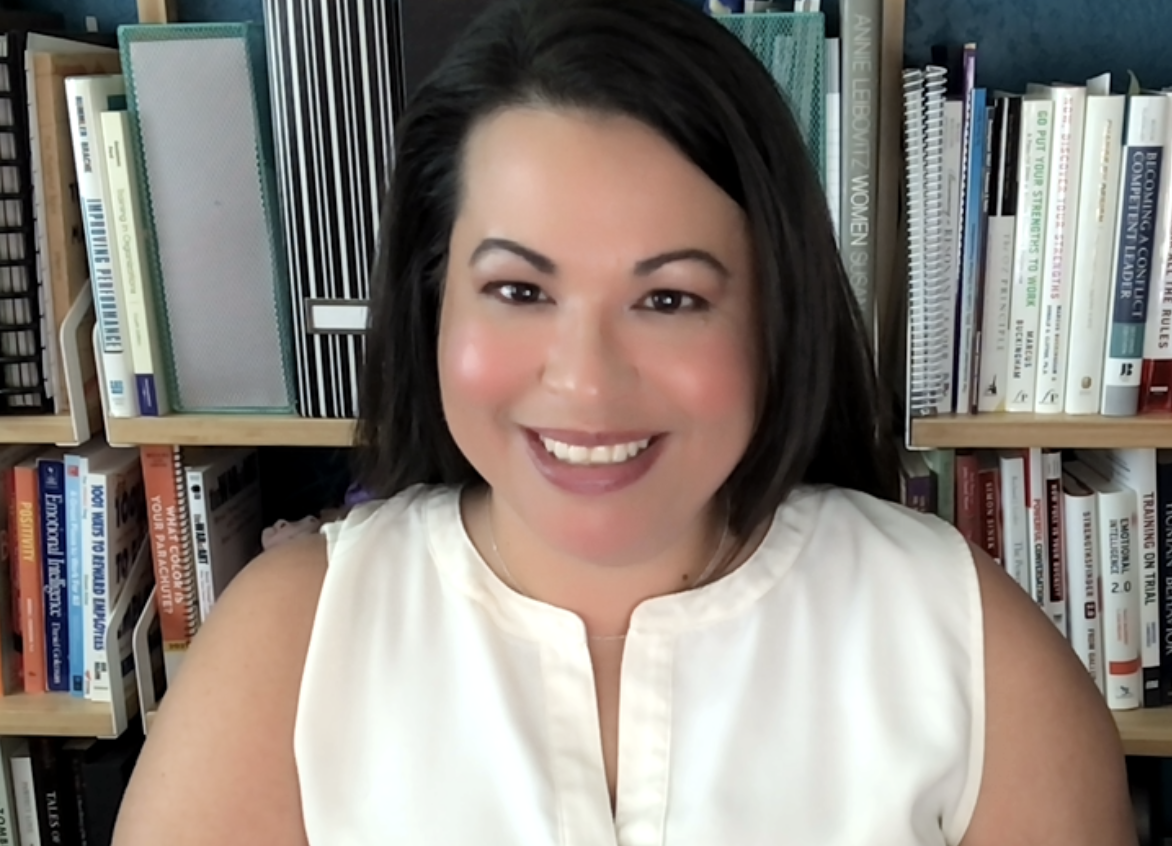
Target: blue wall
{"points": [[1019, 40]]}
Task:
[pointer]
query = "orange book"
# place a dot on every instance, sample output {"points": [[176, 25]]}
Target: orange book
{"points": [[171, 550], [24, 536]]}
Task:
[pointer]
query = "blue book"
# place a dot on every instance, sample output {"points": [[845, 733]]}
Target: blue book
{"points": [[75, 470], [51, 475]]}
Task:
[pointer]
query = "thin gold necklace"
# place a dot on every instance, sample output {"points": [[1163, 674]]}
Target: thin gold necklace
{"points": [[707, 572]]}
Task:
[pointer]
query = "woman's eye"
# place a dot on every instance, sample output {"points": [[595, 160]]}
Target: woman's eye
{"points": [[669, 302], [518, 293]]}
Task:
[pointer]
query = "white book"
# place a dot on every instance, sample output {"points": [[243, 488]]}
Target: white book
{"points": [[999, 254], [24, 794], [1143, 158], [949, 237], [89, 96], [1061, 219], [1116, 508], [1037, 130], [1016, 556], [224, 506], [1098, 205], [1081, 533], [130, 238], [115, 531], [1135, 469]]}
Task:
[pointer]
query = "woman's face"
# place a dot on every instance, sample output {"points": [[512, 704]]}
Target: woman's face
{"points": [[597, 337]]}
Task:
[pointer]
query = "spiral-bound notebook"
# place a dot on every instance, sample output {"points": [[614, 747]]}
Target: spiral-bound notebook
{"points": [[928, 314]]}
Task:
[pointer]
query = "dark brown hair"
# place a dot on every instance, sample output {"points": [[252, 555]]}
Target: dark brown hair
{"points": [[682, 73]]}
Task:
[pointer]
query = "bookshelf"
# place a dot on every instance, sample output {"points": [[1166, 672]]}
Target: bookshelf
{"points": [[1008, 431], [1146, 731], [230, 430], [58, 715]]}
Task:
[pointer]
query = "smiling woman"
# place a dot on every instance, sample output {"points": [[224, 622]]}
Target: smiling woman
{"points": [[633, 573]]}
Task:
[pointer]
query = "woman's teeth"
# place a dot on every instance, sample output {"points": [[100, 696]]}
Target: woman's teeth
{"points": [[613, 454]]}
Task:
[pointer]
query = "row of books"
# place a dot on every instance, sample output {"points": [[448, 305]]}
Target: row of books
{"points": [[1039, 246], [92, 532], [63, 791], [1086, 534]]}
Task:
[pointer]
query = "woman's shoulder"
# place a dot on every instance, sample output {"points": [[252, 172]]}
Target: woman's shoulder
{"points": [[869, 526], [223, 735]]}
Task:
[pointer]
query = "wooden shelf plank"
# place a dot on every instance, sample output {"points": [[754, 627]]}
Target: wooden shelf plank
{"points": [[230, 430], [54, 715], [1146, 731], [1004, 431], [36, 430]]}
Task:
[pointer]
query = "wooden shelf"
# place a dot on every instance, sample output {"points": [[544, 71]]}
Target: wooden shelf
{"points": [[54, 715], [41, 429], [1005, 431], [229, 430], [1146, 731]]}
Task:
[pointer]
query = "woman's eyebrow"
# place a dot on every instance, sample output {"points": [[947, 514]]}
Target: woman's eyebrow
{"points": [[648, 266], [645, 267], [541, 263]]}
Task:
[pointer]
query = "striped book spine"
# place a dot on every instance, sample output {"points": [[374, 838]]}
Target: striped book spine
{"points": [[331, 68]]}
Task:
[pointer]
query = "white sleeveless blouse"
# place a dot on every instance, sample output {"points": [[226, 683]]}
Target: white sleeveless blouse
{"points": [[829, 692]]}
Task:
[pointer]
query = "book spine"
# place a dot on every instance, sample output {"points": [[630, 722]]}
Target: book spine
{"points": [[972, 254], [1030, 240], [1055, 553], [968, 496], [25, 797], [860, 40], [1036, 526], [1061, 220], [1148, 548], [999, 255], [952, 161], [1094, 245], [170, 539], [128, 231], [88, 98], [1080, 529], [1134, 254], [12, 555], [28, 565], [197, 505], [1016, 555], [1155, 392], [833, 153], [97, 618], [9, 835], [51, 474], [991, 528], [1164, 563], [75, 470]]}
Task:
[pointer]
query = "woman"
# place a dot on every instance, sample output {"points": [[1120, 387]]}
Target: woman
{"points": [[634, 576]]}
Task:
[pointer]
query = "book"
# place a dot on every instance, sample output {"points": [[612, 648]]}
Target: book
{"points": [[51, 488], [130, 235], [861, 32], [1098, 203], [88, 97], [169, 534], [1143, 156], [25, 551]]}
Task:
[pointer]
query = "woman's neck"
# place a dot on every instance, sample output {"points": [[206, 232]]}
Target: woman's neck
{"points": [[604, 596]]}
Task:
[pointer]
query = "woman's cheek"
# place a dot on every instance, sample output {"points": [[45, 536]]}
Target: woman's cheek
{"points": [[483, 364]]}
